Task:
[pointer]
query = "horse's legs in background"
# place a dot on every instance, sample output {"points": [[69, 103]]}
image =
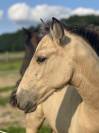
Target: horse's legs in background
{"points": [[34, 120]]}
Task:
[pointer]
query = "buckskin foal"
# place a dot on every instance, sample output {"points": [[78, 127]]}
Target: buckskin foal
{"points": [[63, 58]]}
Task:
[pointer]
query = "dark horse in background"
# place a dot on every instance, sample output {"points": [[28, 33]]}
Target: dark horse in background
{"points": [[31, 41]]}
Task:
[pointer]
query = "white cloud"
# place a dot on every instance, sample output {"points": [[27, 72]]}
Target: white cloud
{"points": [[45, 11], [24, 14], [1, 14], [20, 12], [85, 11]]}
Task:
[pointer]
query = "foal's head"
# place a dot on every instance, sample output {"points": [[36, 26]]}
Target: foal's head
{"points": [[51, 67], [48, 69]]}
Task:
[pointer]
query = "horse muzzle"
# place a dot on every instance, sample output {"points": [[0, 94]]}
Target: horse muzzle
{"points": [[26, 101]]}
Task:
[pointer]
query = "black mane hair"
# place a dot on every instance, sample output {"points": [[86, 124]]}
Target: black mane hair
{"points": [[89, 32]]}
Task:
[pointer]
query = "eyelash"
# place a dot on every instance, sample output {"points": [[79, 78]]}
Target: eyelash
{"points": [[41, 59]]}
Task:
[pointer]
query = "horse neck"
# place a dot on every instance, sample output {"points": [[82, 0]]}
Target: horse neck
{"points": [[86, 76]]}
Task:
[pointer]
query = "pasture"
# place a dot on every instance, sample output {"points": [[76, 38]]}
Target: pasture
{"points": [[11, 120]]}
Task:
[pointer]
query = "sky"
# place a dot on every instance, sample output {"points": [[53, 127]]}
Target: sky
{"points": [[15, 14]]}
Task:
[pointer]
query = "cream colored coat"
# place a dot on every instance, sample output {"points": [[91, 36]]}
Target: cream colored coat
{"points": [[70, 59], [58, 110]]}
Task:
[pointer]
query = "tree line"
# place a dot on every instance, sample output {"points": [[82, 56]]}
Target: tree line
{"points": [[13, 42]]}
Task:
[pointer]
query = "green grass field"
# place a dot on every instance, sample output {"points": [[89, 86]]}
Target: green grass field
{"points": [[14, 130], [4, 100], [6, 89], [10, 65], [22, 130]]}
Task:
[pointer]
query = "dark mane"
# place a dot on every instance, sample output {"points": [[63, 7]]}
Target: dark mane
{"points": [[89, 32]]}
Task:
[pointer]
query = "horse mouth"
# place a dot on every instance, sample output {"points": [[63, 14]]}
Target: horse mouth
{"points": [[27, 107], [30, 107]]}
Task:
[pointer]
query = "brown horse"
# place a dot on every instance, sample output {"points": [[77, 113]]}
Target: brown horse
{"points": [[63, 58], [30, 43]]}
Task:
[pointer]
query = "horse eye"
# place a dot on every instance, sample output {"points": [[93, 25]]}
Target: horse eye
{"points": [[41, 59]]}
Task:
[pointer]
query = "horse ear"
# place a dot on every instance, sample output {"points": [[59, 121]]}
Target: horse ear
{"points": [[57, 32]]}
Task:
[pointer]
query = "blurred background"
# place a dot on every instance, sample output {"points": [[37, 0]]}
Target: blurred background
{"points": [[16, 14]]}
